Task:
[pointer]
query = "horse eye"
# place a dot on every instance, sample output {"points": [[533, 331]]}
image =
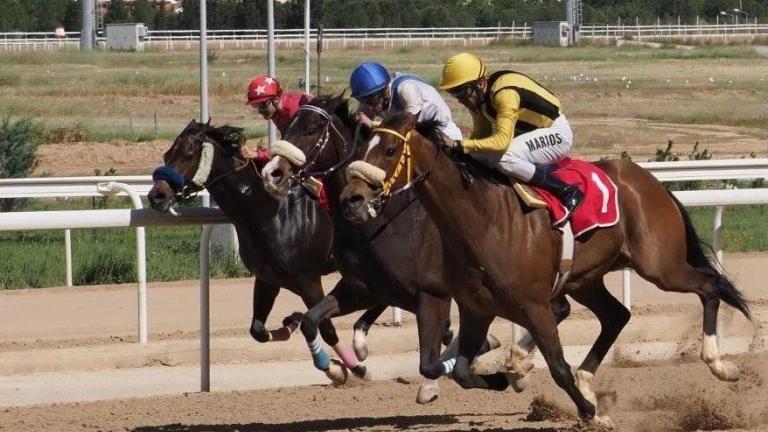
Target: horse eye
{"points": [[390, 152]]}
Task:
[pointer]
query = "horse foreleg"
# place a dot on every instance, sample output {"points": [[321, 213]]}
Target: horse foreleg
{"points": [[263, 299], [613, 316], [543, 328], [361, 327], [431, 315], [473, 330], [519, 364]]}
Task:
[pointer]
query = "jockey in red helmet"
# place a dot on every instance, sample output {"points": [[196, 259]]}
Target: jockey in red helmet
{"points": [[267, 96]]}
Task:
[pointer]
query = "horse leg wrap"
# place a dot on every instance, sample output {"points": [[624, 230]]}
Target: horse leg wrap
{"points": [[283, 333], [319, 356], [347, 356], [448, 366]]}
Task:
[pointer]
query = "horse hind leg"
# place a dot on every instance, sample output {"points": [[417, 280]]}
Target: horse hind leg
{"points": [[361, 327], [473, 331], [710, 286], [613, 317]]}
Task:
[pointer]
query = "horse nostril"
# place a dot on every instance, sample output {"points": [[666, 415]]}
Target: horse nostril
{"points": [[355, 201], [277, 173], [157, 197]]}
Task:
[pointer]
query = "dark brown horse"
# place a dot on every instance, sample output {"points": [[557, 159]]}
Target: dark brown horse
{"points": [[284, 242], [396, 260], [517, 251]]}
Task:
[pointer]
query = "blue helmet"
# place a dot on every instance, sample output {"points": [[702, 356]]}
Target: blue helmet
{"points": [[367, 79]]}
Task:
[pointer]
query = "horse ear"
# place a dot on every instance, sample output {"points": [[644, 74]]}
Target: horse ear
{"points": [[208, 123], [336, 100], [411, 121]]}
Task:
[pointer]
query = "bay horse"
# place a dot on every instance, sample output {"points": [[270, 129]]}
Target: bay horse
{"points": [[397, 260], [517, 251], [284, 242]]}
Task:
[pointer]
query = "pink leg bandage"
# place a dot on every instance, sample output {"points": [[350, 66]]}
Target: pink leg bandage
{"points": [[347, 356]]}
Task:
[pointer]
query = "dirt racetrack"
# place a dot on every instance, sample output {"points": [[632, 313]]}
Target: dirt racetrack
{"points": [[647, 398], [83, 337]]}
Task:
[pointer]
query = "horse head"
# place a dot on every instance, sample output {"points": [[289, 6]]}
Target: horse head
{"points": [[318, 142], [200, 156], [389, 166]]}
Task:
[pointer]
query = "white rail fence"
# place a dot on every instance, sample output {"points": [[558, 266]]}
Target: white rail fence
{"points": [[136, 186], [373, 37]]}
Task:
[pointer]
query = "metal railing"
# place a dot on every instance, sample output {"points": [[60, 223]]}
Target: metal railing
{"points": [[345, 36]]}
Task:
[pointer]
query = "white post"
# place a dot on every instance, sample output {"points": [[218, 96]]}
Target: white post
{"points": [[112, 188], [271, 57], [306, 45], [717, 234], [203, 63], [397, 316], [68, 246], [205, 316], [626, 288]]}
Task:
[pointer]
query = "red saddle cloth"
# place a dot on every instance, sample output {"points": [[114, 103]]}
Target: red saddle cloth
{"points": [[600, 207]]}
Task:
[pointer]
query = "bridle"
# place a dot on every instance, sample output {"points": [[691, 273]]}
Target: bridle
{"points": [[184, 188], [314, 154], [404, 162]]}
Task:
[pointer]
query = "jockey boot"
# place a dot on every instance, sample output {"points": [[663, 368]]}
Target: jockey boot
{"points": [[570, 195]]}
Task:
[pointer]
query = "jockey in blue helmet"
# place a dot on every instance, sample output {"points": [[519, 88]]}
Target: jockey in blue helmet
{"points": [[372, 85]]}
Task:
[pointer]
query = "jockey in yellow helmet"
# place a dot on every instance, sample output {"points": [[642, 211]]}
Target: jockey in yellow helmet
{"points": [[517, 123]]}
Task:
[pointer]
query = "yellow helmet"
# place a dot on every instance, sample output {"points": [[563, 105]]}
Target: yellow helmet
{"points": [[461, 69]]}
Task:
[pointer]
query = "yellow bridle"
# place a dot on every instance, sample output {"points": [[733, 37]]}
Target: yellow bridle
{"points": [[405, 159]]}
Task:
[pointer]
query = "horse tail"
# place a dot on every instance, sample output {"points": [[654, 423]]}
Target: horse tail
{"points": [[701, 256]]}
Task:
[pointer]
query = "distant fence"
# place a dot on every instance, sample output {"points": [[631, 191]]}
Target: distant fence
{"points": [[390, 37]]}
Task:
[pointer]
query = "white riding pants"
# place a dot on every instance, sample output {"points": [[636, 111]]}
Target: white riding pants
{"points": [[539, 147]]}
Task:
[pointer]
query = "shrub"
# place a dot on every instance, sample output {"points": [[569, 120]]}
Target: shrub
{"points": [[19, 141]]}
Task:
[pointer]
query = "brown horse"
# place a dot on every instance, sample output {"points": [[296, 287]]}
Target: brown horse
{"points": [[517, 251], [396, 260], [284, 242]]}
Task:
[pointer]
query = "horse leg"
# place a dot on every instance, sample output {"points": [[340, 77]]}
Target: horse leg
{"points": [[473, 329], [447, 332], [613, 316], [341, 301], [361, 327], [543, 328], [518, 364], [263, 299], [431, 315], [709, 288]]}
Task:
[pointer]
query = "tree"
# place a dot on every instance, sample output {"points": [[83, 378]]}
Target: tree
{"points": [[118, 12], [144, 12]]}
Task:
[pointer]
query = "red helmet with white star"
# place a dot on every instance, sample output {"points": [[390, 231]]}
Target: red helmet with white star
{"points": [[262, 88]]}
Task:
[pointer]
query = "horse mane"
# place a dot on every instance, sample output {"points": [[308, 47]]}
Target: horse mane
{"points": [[341, 110], [226, 135], [469, 166]]}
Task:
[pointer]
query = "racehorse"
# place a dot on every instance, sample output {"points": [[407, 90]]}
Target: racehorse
{"points": [[284, 242], [397, 260], [517, 251]]}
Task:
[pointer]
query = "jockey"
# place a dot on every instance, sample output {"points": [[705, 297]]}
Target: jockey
{"points": [[266, 96], [372, 85], [517, 123]]}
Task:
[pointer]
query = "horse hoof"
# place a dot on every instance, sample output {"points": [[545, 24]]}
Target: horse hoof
{"points": [[337, 373], [360, 346], [361, 372], [725, 370], [584, 383], [518, 363], [428, 393], [519, 384]]}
